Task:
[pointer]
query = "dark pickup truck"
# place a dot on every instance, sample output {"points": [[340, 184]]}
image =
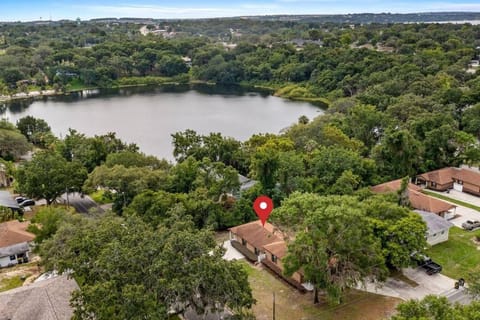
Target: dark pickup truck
{"points": [[427, 264]]}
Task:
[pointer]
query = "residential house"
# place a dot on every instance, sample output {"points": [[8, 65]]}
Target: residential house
{"points": [[438, 180], [462, 179], [266, 245], [437, 228], [42, 300], [419, 200], [14, 243]]}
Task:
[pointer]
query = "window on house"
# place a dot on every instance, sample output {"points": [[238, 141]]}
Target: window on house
{"points": [[244, 242], [443, 232], [13, 258], [257, 252], [274, 258], [434, 234], [434, 184]]}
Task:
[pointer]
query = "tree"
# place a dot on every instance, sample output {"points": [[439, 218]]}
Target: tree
{"points": [[398, 154], [336, 250], [125, 183], [36, 130], [48, 175], [12, 143], [46, 222], [436, 308], [333, 242], [129, 270], [130, 159]]}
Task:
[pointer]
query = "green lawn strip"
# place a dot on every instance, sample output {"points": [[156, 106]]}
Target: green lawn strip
{"points": [[12, 283], [291, 304], [99, 197], [458, 256], [460, 203]]}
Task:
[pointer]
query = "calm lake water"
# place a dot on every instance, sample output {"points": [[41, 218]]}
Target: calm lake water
{"points": [[148, 116]]}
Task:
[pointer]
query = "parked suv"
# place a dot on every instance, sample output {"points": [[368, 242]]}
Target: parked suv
{"points": [[470, 225]]}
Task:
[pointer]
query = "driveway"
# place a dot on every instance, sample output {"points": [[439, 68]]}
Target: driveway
{"points": [[231, 253], [463, 213], [437, 284]]}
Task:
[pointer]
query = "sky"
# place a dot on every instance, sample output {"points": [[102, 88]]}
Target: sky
{"points": [[27, 10]]}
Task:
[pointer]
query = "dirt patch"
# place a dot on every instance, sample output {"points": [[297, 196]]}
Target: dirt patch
{"points": [[221, 236]]}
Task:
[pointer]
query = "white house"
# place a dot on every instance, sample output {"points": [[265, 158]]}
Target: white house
{"points": [[14, 254], [437, 227], [14, 243]]}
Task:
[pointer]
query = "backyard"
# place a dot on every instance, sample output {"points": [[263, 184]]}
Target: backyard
{"points": [[291, 304], [459, 255]]}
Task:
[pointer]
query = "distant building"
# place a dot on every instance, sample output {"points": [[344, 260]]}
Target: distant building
{"points": [[14, 243], [437, 228], [43, 300], [462, 179], [419, 200]]}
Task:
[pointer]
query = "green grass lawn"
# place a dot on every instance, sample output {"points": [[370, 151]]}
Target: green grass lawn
{"points": [[460, 203], [291, 304], [459, 255], [11, 283]]}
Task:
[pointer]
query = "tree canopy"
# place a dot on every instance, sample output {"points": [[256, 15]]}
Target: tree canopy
{"points": [[127, 269]]}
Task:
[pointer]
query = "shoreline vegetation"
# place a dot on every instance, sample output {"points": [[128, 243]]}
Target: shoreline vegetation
{"points": [[290, 92]]}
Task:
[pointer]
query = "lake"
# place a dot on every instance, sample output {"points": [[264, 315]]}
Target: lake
{"points": [[148, 116]]}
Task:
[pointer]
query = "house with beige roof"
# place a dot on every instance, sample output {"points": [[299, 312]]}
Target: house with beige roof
{"points": [[14, 243], [266, 245]]}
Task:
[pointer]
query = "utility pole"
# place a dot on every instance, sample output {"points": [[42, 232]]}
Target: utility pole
{"points": [[273, 305]]}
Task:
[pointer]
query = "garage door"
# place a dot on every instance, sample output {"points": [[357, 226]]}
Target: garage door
{"points": [[458, 187]]}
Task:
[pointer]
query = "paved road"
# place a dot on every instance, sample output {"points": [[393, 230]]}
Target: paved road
{"points": [[83, 204]]}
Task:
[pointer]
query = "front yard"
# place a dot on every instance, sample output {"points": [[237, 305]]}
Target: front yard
{"points": [[291, 304], [459, 255]]}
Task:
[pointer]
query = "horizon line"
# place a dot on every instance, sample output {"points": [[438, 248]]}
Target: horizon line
{"points": [[246, 16]]}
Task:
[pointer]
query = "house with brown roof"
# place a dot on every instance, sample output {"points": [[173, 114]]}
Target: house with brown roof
{"points": [[266, 245], [14, 243], [419, 200], [462, 179]]}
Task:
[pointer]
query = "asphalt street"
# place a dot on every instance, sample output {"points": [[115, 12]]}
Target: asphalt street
{"points": [[82, 204]]}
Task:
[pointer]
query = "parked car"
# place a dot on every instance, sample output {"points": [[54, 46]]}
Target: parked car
{"points": [[20, 199], [470, 225], [27, 202], [426, 263]]}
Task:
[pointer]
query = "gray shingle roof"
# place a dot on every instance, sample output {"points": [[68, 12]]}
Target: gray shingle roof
{"points": [[7, 201], [434, 222], [42, 300], [14, 249]]}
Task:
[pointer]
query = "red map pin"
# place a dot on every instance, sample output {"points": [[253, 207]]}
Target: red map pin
{"points": [[263, 206]]}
